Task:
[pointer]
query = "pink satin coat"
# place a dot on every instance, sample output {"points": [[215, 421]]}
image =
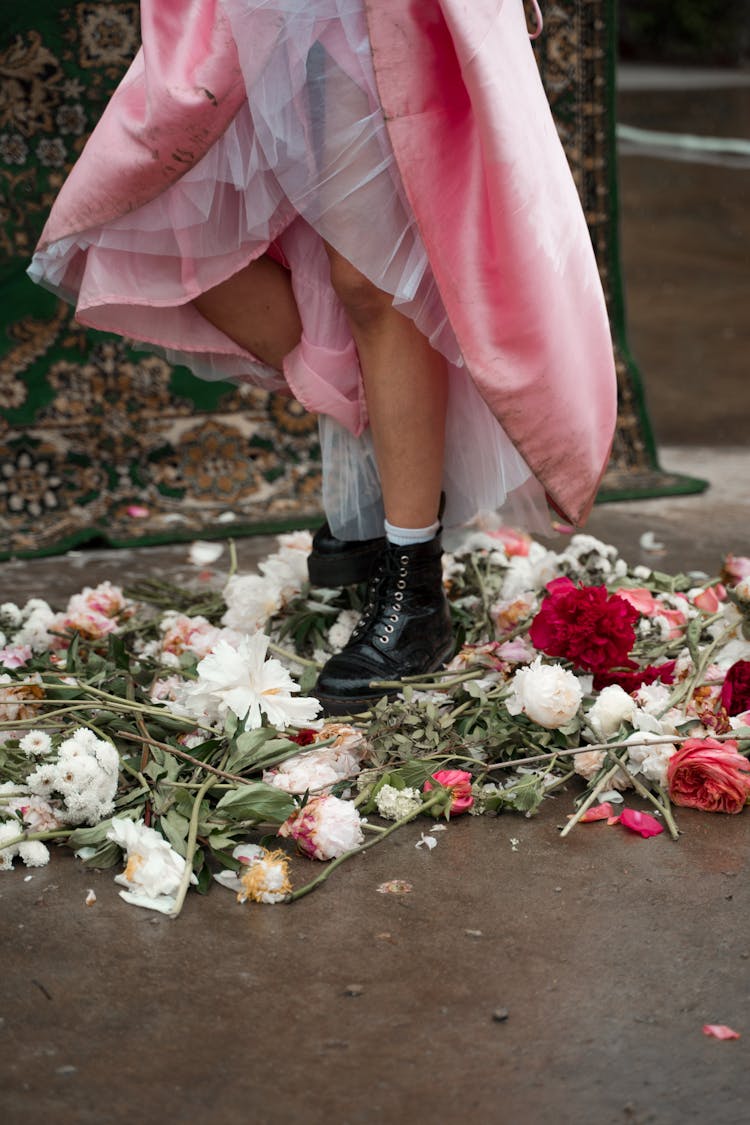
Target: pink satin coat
{"points": [[485, 174]]}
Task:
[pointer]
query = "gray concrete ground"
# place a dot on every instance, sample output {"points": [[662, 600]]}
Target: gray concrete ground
{"points": [[608, 951]]}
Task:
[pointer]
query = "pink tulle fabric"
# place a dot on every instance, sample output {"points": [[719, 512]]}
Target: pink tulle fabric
{"points": [[306, 159]]}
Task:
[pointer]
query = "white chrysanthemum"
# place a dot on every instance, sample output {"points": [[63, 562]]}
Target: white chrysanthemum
{"points": [[42, 780], [393, 804], [153, 869], [11, 615], [251, 601], [33, 853], [547, 693], [243, 681], [612, 708], [36, 744], [9, 829]]}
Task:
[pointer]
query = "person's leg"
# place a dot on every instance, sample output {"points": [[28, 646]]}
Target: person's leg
{"points": [[405, 628], [406, 387], [257, 309]]}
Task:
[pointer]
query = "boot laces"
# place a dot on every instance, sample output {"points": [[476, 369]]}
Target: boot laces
{"points": [[385, 595]]}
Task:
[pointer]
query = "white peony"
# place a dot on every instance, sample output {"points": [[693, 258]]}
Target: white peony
{"points": [[251, 601], [649, 758], [241, 680], [612, 708], [547, 693], [153, 869]]}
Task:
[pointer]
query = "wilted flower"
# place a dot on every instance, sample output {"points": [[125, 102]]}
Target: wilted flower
{"points": [[153, 870], [547, 693], [325, 828]]}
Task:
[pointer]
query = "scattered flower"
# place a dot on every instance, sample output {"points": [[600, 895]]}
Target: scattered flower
{"points": [[709, 775], [586, 625], [548, 694], [458, 782], [395, 804], [153, 870], [325, 828], [598, 812]]}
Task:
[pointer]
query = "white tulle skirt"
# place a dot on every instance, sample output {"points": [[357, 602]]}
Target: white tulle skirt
{"points": [[306, 159]]}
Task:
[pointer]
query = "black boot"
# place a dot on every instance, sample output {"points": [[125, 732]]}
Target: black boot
{"points": [[405, 630], [345, 562], [341, 562]]}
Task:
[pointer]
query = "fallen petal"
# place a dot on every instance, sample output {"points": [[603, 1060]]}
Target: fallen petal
{"points": [[641, 823], [395, 887], [720, 1031], [428, 842], [613, 820], [597, 812], [137, 511]]}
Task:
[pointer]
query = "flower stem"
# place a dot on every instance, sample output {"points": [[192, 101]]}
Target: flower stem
{"points": [[600, 786], [286, 654], [190, 848], [311, 886], [640, 788], [24, 837]]}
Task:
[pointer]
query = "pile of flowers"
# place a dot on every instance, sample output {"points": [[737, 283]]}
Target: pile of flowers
{"points": [[174, 731]]}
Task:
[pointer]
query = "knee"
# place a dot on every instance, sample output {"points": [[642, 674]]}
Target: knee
{"points": [[364, 303]]}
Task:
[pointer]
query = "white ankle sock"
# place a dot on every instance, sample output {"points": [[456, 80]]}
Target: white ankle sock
{"points": [[408, 536]]}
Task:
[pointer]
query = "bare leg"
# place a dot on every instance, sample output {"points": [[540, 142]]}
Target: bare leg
{"points": [[256, 307], [406, 385]]}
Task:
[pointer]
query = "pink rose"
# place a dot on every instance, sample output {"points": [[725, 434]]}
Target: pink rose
{"points": [[708, 775], [459, 784]]}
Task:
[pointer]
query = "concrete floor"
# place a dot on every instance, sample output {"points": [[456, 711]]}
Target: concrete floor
{"points": [[608, 951]]}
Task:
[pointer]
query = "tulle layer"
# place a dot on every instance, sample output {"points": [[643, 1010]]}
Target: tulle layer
{"points": [[306, 159]]}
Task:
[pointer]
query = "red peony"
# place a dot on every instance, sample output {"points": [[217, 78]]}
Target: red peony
{"points": [[735, 691], [709, 775], [585, 625], [630, 680]]}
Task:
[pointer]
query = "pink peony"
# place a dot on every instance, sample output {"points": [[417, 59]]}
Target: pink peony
{"points": [[325, 828], [459, 784], [708, 775], [15, 656]]}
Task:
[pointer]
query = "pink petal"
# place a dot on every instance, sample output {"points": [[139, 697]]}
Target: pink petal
{"points": [[137, 511], [720, 1031], [613, 820], [597, 812], [641, 823]]}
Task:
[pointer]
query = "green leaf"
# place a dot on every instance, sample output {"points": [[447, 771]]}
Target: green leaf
{"points": [[89, 837], [106, 855], [175, 827], [256, 801]]}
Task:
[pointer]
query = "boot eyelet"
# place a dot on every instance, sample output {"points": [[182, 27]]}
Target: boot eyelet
{"points": [[383, 640], [388, 628], [401, 584], [404, 559], [398, 596], [393, 616]]}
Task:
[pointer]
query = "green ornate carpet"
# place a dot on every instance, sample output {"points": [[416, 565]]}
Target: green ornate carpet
{"points": [[98, 441]]}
